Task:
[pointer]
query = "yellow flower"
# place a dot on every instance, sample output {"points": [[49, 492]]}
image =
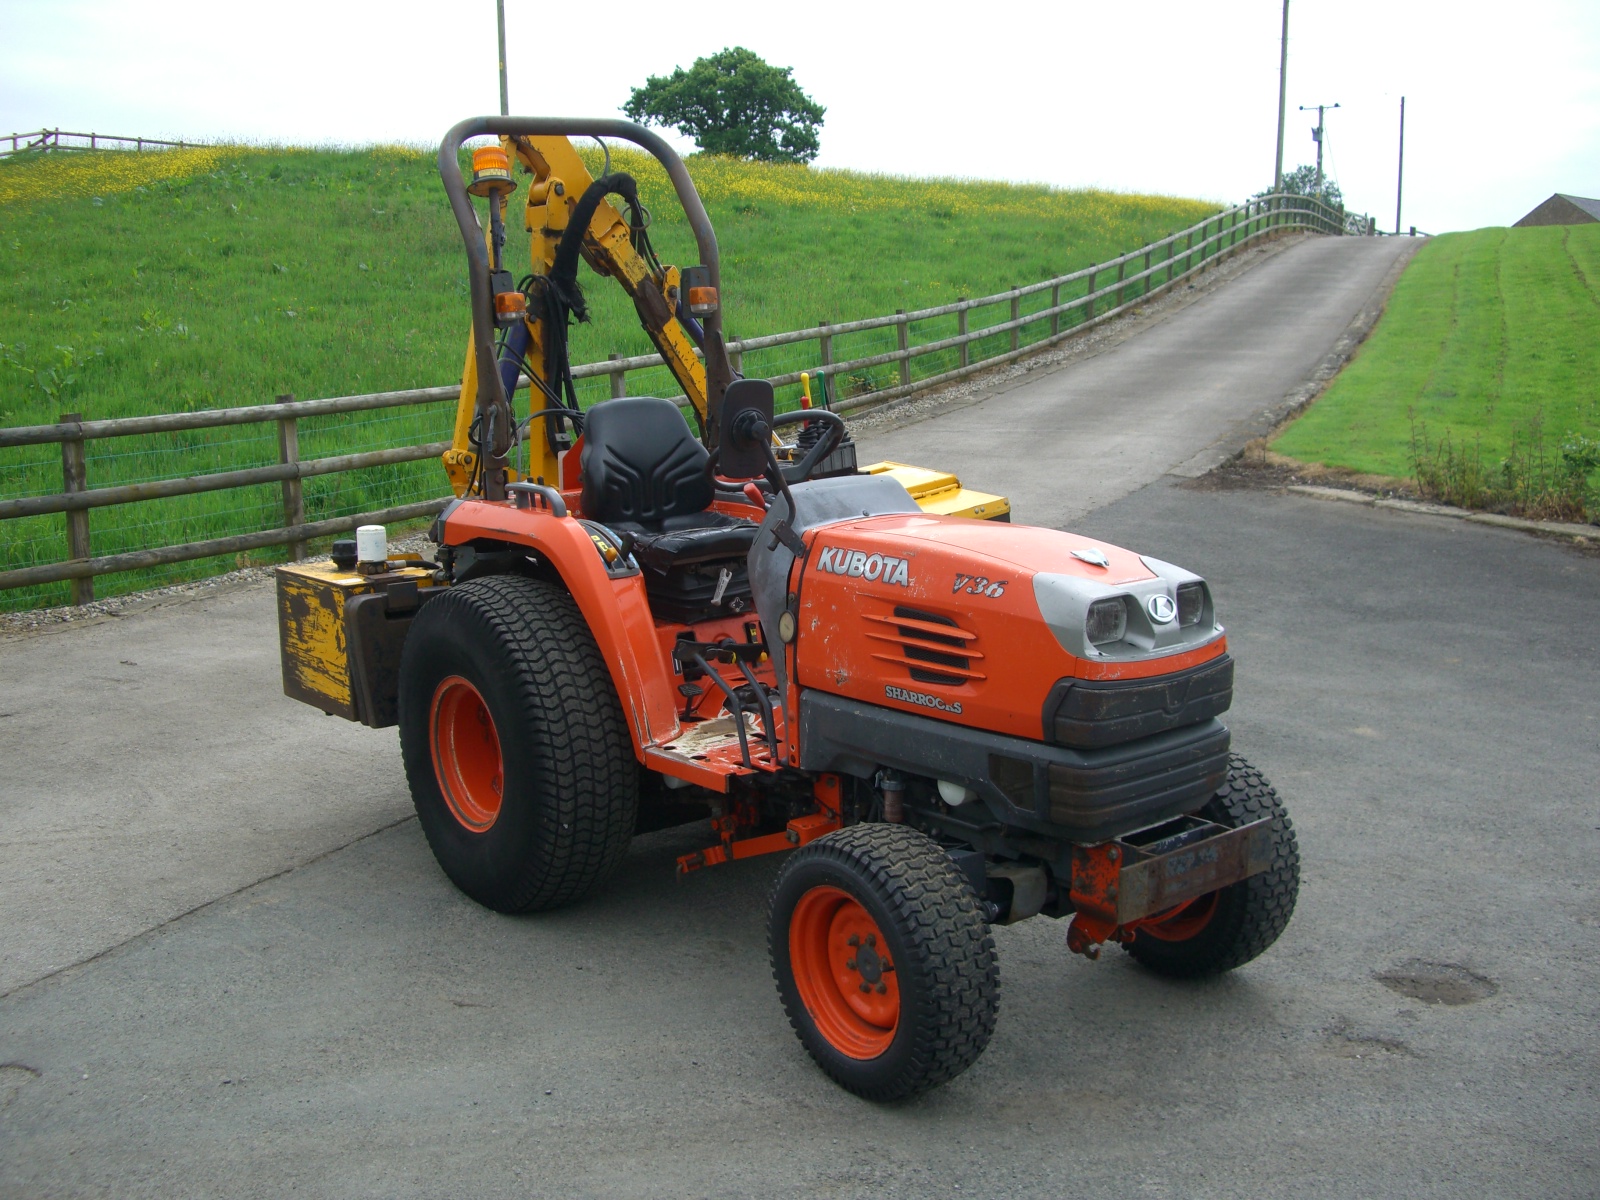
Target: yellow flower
{"points": [[57, 175]]}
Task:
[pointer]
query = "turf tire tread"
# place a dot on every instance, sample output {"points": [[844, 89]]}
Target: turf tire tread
{"points": [[585, 774], [952, 1017]]}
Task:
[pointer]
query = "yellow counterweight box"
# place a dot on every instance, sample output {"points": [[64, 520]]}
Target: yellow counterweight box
{"points": [[341, 634]]}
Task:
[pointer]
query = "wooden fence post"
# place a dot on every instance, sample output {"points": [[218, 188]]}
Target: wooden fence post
{"points": [[1016, 312], [294, 500], [825, 355], [903, 336], [74, 478], [1055, 317], [961, 329], [1088, 309], [1144, 284], [619, 378], [736, 361], [1122, 273]]}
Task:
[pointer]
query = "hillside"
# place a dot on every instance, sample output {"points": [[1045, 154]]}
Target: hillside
{"points": [[1482, 379], [222, 276], [261, 271]]}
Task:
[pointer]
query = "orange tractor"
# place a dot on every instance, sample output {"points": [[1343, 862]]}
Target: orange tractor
{"points": [[948, 723]]}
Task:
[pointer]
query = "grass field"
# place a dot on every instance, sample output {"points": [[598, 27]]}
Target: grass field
{"points": [[215, 277], [1482, 379]]}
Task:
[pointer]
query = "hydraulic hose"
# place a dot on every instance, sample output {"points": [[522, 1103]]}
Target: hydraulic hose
{"points": [[564, 271]]}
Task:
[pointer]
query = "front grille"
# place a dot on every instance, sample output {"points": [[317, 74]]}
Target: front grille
{"points": [[933, 648], [1137, 784], [1086, 714]]}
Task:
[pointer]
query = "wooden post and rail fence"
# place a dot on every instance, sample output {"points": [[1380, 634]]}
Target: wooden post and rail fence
{"points": [[1175, 257], [60, 139]]}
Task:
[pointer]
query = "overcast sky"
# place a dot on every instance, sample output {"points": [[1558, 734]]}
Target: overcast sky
{"points": [[1503, 101]]}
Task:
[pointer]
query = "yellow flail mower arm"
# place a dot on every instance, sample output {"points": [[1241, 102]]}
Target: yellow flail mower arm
{"points": [[569, 215]]}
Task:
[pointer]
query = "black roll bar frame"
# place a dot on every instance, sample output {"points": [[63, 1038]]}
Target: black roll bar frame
{"points": [[493, 405]]}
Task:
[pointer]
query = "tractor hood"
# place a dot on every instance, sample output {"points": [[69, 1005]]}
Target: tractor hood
{"points": [[992, 549], [978, 622]]}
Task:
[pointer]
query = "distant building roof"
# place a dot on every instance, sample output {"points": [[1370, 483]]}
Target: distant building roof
{"points": [[1562, 209]]}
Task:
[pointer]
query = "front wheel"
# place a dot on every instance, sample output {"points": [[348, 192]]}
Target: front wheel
{"points": [[883, 960], [1233, 925]]}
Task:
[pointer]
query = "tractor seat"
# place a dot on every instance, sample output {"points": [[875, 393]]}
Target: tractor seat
{"points": [[645, 473]]}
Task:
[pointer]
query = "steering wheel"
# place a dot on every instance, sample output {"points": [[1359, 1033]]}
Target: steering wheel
{"points": [[826, 444]]}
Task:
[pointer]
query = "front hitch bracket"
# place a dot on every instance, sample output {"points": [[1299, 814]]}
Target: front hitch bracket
{"points": [[1145, 877]]}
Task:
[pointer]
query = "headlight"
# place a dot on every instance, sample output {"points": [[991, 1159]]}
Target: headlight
{"points": [[1107, 621], [1191, 603], [1098, 621]]}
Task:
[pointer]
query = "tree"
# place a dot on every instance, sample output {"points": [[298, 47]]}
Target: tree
{"points": [[1302, 181], [733, 103]]}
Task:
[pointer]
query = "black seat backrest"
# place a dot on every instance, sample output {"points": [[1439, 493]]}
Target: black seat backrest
{"points": [[641, 463]]}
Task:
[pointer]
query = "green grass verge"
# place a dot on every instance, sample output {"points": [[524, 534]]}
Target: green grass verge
{"points": [[1484, 369], [187, 280]]}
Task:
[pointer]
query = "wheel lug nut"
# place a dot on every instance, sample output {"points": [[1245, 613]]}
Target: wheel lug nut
{"points": [[872, 939], [866, 987], [849, 964], [883, 989], [852, 940]]}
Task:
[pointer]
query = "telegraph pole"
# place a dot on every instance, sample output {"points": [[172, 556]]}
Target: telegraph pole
{"points": [[1400, 173], [505, 103], [1316, 136], [1283, 92]]}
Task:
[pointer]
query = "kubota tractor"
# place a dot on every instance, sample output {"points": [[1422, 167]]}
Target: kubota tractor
{"points": [[946, 722]]}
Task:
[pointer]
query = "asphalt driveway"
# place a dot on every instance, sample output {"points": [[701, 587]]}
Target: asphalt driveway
{"points": [[1421, 691]]}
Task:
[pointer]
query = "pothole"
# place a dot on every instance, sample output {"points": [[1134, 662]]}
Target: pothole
{"points": [[1343, 1040], [1437, 983], [12, 1078]]}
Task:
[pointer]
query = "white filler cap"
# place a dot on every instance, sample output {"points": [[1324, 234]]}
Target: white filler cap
{"points": [[372, 544], [955, 794]]}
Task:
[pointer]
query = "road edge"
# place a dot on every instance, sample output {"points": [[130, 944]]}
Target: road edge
{"points": [[1583, 535]]}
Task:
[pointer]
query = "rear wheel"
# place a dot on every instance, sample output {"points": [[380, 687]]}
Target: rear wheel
{"points": [[1229, 927], [883, 959], [515, 746]]}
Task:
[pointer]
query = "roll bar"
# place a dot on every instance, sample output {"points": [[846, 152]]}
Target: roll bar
{"points": [[490, 387]]}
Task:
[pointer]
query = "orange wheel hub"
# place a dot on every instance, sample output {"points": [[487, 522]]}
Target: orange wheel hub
{"points": [[843, 972], [466, 753], [1183, 922]]}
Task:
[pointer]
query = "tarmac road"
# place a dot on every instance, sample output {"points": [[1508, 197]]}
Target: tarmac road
{"points": [[1178, 398], [1422, 692]]}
